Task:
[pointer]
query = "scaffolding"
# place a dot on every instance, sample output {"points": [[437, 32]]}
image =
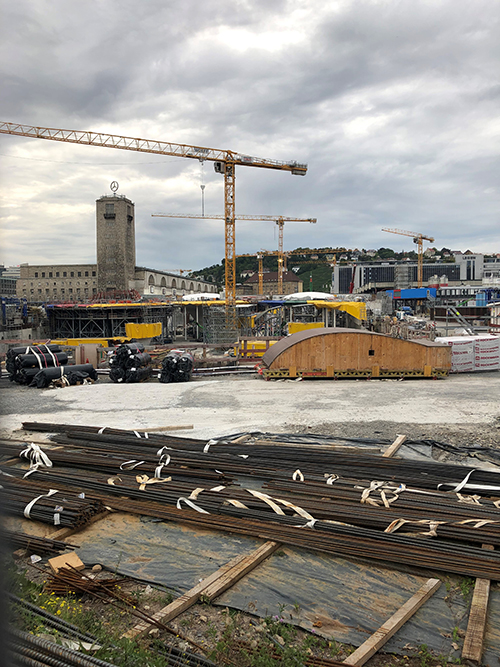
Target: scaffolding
{"points": [[106, 320], [219, 325]]}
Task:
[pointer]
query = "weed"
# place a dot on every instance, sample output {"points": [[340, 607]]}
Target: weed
{"points": [[466, 587], [425, 655]]}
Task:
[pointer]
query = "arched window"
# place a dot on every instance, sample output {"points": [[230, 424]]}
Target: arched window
{"points": [[174, 284], [163, 282], [151, 279], [183, 285], [198, 288], [191, 287]]}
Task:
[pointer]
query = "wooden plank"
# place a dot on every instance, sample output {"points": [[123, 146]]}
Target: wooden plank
{"points": [[474, 638], [62, 533], [211, 586], [392, 625], [392, 449]]}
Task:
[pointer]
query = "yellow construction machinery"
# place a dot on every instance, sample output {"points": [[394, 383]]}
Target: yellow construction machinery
{"points": [[225, 162], [419, 240]]}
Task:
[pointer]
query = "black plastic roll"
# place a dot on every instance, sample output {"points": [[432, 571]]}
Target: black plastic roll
{"points": [[177, 367], [138, 374], [117, 374], [124, 351], [45, 376], [138, 360], [41, 360]]}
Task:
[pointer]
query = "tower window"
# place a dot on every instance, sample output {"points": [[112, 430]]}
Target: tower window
{"points": [[109, 211]]}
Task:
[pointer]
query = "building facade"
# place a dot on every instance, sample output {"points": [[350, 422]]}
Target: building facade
{"points": [[291, 284], [115, 270]]}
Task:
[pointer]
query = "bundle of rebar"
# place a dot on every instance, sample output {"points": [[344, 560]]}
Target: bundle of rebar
{"points": [[22, 363], [130, 363], [33, 543], [59, 508], [174, 656], [27, 649], [177, 366], [68, 580]]}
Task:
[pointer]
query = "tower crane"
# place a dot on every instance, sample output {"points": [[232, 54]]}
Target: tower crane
{"points": [[225, 162], [280, 221], [419, 240], [260, 259]]}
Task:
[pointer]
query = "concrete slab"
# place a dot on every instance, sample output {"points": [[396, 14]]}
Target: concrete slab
{"points": [[235, 404]]}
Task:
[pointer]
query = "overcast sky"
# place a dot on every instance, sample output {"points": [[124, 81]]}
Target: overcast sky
{"points": [[393, 104]]}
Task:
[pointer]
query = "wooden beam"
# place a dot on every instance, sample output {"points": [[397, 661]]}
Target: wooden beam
{"points": [[392, 449], [474, 638], [210, 587], [392, 625], [62, 533]]}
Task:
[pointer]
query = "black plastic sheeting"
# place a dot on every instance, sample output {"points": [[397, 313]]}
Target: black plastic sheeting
{"points": [[21, 361], [74, 375], [345, 600], [177, 366], [130, 363]]}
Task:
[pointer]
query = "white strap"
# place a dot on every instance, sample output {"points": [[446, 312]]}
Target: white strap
{"points": [[267, 499], [196, 492], [28, 507], [101, 430], [136, 432], [191, 504], [36, 455], [297, 475], [38, 359], [331, 479], [50, 352], [208, 445], [126, 466], [459, 486]]}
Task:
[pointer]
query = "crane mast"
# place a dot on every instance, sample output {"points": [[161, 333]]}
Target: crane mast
{"points": [[225, 162], [260, 259], [280, 221], [419, 240]]}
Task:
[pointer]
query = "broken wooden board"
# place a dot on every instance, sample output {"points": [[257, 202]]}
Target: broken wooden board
{"points": [[476, 628], [70, 559], [392, 449], [210, 587], [392, 625]]}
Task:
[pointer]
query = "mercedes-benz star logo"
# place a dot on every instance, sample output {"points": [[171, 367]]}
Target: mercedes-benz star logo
{"points": [[114, 186]]}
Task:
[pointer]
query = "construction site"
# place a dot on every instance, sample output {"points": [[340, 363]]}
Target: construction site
{"points": [[256, 475]]}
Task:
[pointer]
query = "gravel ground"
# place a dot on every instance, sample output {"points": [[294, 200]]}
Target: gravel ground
{"points": [[462, 409]]}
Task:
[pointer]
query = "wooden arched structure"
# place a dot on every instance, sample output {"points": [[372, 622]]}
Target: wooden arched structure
{"points": [[343, 353]]}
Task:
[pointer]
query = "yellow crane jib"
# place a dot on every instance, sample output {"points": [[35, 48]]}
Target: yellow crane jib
{"points": [[225, 162], [419, 239]]}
